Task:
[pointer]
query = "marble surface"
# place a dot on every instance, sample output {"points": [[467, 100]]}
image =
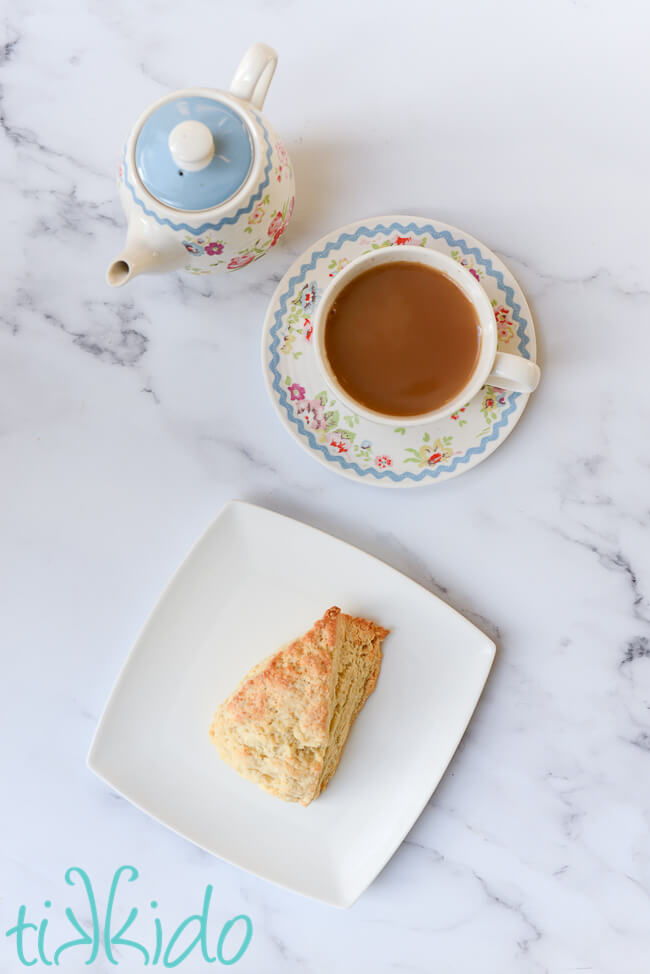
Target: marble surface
{"points": [[127, 418]]}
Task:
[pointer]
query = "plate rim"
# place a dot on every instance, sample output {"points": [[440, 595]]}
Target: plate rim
{"points": [[488, 654]]}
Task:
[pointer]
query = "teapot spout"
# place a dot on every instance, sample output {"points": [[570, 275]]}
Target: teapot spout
{"points": [[147, 251], [123, 268]]}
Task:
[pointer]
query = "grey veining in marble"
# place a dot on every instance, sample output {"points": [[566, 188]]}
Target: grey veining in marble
{"points": [[127, 418]]}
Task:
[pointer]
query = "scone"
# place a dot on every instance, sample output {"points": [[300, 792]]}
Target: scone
{"points": [[286, 724]]}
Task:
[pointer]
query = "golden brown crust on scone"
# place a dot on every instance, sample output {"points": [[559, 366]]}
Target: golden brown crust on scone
{"points": [[286, 724]]}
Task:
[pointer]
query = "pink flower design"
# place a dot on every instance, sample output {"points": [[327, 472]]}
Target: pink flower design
{"points": [[297, 392], [275, 224], [465, 262], [501, 314], [313, 413], [214, 249], [282, 153], [240, 261], [279, 234], [383, 462], [278, 225]]}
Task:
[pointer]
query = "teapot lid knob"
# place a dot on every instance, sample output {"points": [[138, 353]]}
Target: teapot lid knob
{"points": [[194, 150], [191, 144]]}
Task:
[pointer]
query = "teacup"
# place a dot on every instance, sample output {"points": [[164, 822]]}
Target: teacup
{"points": [[499, 369]]}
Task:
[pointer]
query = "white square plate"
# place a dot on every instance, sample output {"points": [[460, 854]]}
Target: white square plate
{"points": [[254, 581]]}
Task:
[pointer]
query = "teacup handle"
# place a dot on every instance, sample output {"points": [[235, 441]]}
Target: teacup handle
{"points": [[254, 74], [514, 373]]}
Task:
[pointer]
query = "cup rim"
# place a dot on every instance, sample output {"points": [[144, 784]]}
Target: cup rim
{"points": [[472, 290]]}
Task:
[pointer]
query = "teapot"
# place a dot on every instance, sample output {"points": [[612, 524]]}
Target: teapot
{"points": [[204, 181]]}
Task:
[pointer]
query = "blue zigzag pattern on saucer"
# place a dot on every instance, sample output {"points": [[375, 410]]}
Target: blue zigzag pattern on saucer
{"points": [[227, 220], [429, 473]]}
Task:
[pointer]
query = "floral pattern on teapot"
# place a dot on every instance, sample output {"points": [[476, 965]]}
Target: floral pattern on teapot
{"points": [[224, 246], [265, 236]]}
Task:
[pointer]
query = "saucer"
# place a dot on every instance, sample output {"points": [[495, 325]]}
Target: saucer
{"points": [[358, 448]]}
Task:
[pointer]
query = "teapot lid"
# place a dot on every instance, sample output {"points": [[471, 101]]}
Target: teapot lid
{"points": [[193, 152]]}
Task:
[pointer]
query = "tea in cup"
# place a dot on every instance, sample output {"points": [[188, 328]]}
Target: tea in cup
{"points": [[406, 335]]}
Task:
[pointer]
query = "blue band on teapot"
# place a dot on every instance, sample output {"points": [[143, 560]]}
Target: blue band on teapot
{"points": [[187, 187]]}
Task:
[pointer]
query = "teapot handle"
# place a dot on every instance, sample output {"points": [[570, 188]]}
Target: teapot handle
{"points": [[254, 74]]}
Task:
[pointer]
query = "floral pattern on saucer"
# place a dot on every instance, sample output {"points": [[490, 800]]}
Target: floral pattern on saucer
{"points": [[358, 448]]}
